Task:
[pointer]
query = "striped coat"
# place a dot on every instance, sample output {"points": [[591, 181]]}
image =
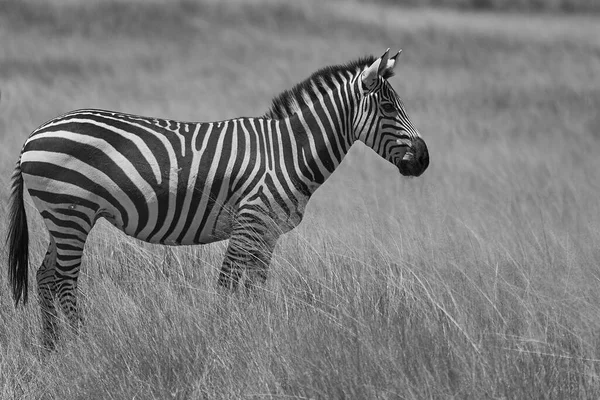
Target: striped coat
{"points": [[182, 183]]}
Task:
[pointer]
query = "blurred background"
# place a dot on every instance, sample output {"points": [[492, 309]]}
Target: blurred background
{"points": [[506, 93], [507, 98]]}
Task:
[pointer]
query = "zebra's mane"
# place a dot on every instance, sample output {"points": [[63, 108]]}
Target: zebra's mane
{"points": [[289, 102]]}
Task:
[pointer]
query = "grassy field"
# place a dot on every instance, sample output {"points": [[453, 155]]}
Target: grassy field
{"points": [[478, 280]]}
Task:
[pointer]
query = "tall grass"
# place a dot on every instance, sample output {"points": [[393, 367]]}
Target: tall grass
{"points": [[477, 280]]}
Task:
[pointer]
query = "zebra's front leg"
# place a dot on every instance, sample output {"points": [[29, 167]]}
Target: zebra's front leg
{"points": [[45, 279], [250, 250]]}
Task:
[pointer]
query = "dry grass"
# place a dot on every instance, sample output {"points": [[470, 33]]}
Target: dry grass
{"points": [[478, 280]]}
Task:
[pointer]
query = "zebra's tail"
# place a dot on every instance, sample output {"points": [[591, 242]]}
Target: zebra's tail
{"points": [[17, 239]]}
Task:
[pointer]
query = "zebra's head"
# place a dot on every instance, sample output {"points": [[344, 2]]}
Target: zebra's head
{"points": [[382, 122]]}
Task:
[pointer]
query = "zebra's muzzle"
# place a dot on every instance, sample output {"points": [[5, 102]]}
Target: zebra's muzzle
{"points": [[416, 159]]}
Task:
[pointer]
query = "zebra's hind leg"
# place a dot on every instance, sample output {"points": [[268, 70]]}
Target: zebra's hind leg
{"points": [[45, 278], [68, 264], [57, 279], [250, 250]]}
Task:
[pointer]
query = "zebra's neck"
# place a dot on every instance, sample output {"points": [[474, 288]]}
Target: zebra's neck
{"points": [[320, 133]]}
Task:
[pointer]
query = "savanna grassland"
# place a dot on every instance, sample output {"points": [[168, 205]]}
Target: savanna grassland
{"points": [[478, 280]]}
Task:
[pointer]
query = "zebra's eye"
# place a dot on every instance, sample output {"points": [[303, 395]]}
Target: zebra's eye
{"points": [[388, 107]]}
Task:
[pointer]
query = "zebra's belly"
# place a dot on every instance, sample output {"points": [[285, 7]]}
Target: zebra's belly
{"points": [[200, 227], [221, 231]]}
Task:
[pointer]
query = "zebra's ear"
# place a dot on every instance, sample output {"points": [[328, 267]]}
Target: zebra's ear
{"points": [[388, 71], [371, 74]]}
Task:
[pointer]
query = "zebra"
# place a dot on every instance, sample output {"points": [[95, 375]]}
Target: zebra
{"points": [[182, 183]]}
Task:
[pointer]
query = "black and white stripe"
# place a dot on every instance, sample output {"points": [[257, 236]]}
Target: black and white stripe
{"points": [[181, 183]]}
